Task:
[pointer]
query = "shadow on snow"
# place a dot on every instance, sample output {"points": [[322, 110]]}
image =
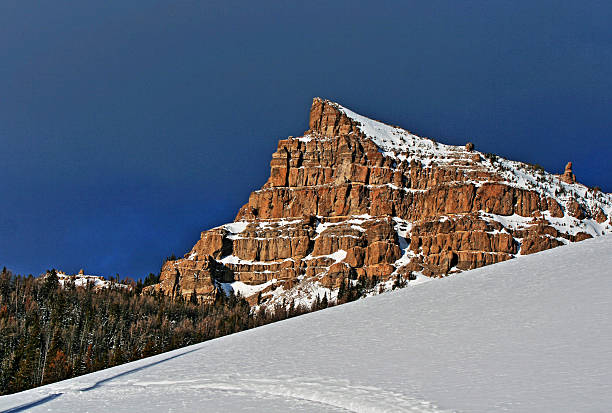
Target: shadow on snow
{"points": [[25, 407]]}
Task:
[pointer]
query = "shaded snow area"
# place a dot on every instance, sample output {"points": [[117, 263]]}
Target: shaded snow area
{"points": [[243, 289], [526, 335]]}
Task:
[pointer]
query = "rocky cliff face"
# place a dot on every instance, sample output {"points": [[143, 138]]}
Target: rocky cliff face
{"points": [[354, 198]]}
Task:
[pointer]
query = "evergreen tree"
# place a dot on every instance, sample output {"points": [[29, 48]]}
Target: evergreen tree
{"points": [[324, 302], [56, 363], [341, 290], [58, 367]]}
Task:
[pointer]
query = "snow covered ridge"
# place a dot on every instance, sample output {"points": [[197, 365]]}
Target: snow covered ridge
{"points": [[400, 144], [526, 335], [83, 280]]}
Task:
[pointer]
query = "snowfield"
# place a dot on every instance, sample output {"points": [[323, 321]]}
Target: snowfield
{"points": [[528, 335]]}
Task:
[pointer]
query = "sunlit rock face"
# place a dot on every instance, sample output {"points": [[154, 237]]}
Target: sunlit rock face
{"points": [[353, 197]]}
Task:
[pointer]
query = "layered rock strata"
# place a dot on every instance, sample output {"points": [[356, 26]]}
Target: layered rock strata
{"points": [[354, 198]]}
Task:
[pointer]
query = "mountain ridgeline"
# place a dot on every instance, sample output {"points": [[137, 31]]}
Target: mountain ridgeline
{"points": [[354, 201]]}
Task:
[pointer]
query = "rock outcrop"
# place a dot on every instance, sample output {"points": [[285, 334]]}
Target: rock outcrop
{"points": [[568, 176], [355, 198], [96, 282]]}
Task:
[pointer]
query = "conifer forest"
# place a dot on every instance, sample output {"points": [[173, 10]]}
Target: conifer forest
{"points": [[50, 333]]}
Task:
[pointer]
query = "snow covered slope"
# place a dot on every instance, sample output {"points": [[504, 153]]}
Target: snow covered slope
{"points": [[526, 335]]}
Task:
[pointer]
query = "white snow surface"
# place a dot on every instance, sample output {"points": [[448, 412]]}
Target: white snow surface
{"points": [[526, 335], [245, 290]]}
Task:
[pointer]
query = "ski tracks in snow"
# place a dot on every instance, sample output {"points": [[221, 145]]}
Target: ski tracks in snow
{"points": [[330, 392], [307, 394]]}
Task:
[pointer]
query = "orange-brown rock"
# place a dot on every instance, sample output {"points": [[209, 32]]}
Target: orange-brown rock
{"points": [[568, 176], [343, 203], [575, 209], [355, 257], [213, 243], [581, 236], [537, 243], [326, 119], [554, 208], [599, 215], [337, 273], [468, 260], [186, 277], [382, 252], [379, 271]]}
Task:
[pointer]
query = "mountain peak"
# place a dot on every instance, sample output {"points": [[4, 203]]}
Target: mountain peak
{"points": [[356, 200], [327, 119]]}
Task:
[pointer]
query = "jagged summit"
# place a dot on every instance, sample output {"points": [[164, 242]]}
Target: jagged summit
{"points": [[329, 118], [357, 199]]}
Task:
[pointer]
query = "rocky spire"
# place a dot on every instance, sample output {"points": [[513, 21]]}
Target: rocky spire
{"points": [[328, 120], [568, 176]]}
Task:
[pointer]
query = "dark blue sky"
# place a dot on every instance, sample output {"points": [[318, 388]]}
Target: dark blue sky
{"points": [[127, 127]]}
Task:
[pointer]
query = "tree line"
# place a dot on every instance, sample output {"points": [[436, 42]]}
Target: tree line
{"points": [[50, 333]]}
